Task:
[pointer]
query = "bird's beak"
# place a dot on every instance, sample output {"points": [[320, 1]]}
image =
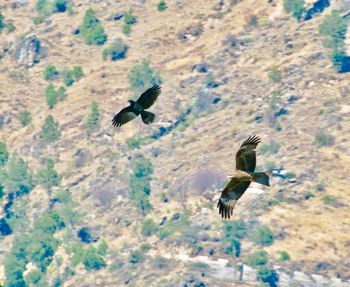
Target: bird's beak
{"points": [[229, 177]]}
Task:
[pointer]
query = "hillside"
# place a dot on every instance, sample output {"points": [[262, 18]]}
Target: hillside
{"points": [[228, 69]]}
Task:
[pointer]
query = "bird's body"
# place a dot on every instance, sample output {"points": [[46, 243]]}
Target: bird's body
{"points": [[241, 178], [136, 108]]}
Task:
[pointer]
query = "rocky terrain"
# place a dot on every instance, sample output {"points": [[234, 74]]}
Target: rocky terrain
{"points": [[136, 206]]}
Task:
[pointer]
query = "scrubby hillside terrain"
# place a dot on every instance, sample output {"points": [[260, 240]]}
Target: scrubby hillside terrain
{"points": [[87, 204]]}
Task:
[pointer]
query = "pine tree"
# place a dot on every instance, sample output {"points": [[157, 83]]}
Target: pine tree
{"points": [[15, 176], [48, 178], [50, 130], [93, 118]]}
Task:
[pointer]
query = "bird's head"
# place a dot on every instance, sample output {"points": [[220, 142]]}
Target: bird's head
{"points": [[132, 102]]}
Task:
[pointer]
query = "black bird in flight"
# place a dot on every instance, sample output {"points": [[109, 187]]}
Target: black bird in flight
{"points": [[145, 101]]}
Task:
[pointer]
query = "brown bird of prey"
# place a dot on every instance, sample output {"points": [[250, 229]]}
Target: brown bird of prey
{"points": [[145, 101], [242, 177]]}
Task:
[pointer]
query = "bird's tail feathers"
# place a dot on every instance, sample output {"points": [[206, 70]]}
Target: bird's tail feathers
{"points": [[147, 117], [262, 177]]}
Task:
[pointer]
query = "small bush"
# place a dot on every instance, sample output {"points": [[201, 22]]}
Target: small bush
{"points": [[263, 236], [272, 148], [134, 142], [60, 6], [116, 51], [25, 118], [93, 118], [328, 199], [142, 77], [68, 78], [296, 7], [92, 260], [50, 72], [136, 257], [35, 278], [50, 130], [324, 139], [129, 17], [334, 29], [15, 176], [275, 74], [78, 73], [149, 227], [284, 256], [258, 258], [10, 27], [126, 29], [92, 30], [51, 96], [268, 276], [161, 6]]}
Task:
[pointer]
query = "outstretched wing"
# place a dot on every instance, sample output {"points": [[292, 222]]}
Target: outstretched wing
{"points": [[230, 195], [246, 156], [125, 115], [148, 98]]}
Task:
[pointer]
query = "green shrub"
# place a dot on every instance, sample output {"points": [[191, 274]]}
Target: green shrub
{"points": [[60, 6], [4, 154], [78, 73], [49, 222], [258, 258], [136, 257], [15, 176], [92, 260], [267, 275], [161, 6], [92, 30], [140, 183], [50, 130], [48, 177], [25, 118], [129, 17], [338, 57], [324, 139], [102, 248], [275, 74], [296, 7], [272, 148], [116, 51], [333, 28], [234, 229], [126, 29], [284, 256], [50, 72], [134, 142], [14, 269], [10, 27], [149, 227], [328, 199], [44, 7], [177, 229], [93, 118], [263, 236], [68, 78], [142, 77], [51, 96]]}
